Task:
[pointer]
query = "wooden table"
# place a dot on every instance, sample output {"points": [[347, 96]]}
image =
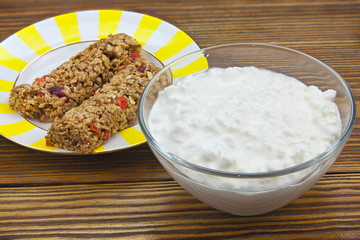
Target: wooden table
{"points": [[127, 194]]}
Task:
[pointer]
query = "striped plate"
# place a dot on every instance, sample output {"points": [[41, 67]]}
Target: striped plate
{"points": [[158, 37]]}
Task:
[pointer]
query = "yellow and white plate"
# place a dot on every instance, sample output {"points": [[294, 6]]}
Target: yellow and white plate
{"points": [[40, 47]]}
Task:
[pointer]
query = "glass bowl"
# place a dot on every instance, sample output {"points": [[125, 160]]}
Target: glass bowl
{"points": [[259, 192]]}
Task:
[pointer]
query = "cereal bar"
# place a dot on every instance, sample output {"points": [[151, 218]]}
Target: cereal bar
{"points": [[112, 108], [74, 81]]}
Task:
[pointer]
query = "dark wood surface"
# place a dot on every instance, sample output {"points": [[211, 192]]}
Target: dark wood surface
{"points": [[127, 194]]}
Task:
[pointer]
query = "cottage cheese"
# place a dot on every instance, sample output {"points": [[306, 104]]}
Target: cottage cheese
{"points": [[244, 120]]}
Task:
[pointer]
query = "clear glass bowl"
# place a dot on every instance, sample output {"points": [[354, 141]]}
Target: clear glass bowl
{"points": [[249, 193]]}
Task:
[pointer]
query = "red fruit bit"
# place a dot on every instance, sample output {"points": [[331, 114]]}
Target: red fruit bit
{"points": [[42, 79], [135, 56], [58, 91], [122, 102], [48, 142], [142, 68], [23, 104], [95, 129], [120, 67], [106, 135], [39, 93]]}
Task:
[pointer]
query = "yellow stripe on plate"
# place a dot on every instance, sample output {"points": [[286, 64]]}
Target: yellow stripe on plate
{"points": [[6, 86], [146, 29], [17, 128], [41, 144], [9, 60], [193, 67], [108, 22], [33, 39], [100, 149], [132, 136], [68, 26], [177, 43], [5, 108]]}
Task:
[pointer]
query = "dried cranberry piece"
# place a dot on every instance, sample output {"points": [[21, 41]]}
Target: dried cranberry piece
{"points": [[135, 56], [106, 135], [142, 68], [58, 91]]}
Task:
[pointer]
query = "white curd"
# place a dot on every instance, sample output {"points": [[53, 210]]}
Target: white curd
{"points": [[244, 120]]}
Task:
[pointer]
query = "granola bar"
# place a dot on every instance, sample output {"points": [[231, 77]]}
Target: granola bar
{"points": [[112, 108], [76, 80]]}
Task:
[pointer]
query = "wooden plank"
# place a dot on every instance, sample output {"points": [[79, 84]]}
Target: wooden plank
{"points": [[28, 167], [163, 210]]}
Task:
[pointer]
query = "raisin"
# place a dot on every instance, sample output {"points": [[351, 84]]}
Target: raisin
{"points": [[58, 91], [142, 68]]}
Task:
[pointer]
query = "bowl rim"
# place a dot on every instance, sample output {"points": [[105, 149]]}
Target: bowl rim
{"points": [[317, 159]]}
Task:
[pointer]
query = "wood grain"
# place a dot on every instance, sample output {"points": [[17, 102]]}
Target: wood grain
{"points": [[34, 168], [127, 194], [163, 210]]}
